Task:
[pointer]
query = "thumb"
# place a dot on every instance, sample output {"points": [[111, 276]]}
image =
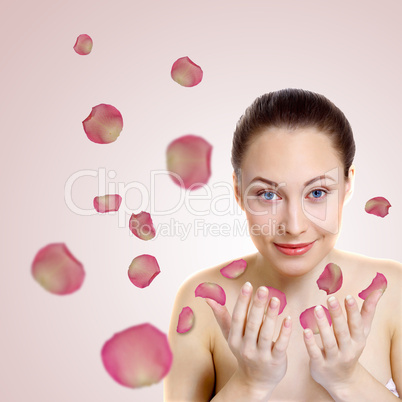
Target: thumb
{"points": [[222, 316]]}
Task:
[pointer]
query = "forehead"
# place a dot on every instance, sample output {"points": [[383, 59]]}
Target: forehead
{"points": [[284, 155]]}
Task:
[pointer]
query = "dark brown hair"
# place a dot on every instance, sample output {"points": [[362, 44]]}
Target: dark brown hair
{"points": [[292, 109]]}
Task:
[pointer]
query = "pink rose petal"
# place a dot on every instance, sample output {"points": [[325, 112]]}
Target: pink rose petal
{"points": [[107, 203], [83, 44], [104, 124], [141, 225], [186, 73], [143, 270], [212, 291], [272, 292], [331, 278], [57, 270], [379, 282], [234, 269], [186, 320], [138, 356], [377, 206], [307, 319], [189, 157]]}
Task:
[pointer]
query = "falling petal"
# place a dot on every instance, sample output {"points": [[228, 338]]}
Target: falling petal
{"points": [[189, 157], [331, 278], [107, 203], [212, 291], [143, 270], [104, 124], [307, 319], [186, 320], [57, 270], [186, 73], [141, 226], [234, 269], [377, 206], [272, 292], [138, 356], [379, 282], [83, 44]]}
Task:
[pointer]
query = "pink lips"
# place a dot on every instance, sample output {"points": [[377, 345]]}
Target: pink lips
{"points": [[294, 249]]}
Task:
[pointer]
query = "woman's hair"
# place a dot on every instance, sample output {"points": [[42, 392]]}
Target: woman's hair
{"points": [[292, 109]]}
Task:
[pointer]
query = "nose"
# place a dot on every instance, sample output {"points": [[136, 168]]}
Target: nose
{"points": [[294, 221]]}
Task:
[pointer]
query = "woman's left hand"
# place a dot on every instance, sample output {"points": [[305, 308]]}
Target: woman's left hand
{"points": [[336, 364]]}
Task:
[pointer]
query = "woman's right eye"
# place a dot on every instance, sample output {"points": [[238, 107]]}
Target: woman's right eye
{"points": [[266, 195]]}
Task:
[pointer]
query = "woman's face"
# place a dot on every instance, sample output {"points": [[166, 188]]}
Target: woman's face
{"points": [[293, 191]]}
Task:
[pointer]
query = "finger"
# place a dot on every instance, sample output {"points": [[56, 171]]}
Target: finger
{"points": [[239, 314], [326, 332], [255, 317], [312, 348], [222, 316], [340, 325], [355, 321], [281, 344], [268, 327], [368, 309]]}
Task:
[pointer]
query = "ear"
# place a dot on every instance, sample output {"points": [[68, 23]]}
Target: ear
{"points": [[350, 184], [237, 191]]}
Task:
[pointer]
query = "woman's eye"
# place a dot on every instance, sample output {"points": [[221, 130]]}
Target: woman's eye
{"points": [[318, 194], [267, 195]]}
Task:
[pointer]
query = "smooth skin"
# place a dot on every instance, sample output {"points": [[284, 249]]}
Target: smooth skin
{"points": [[224, 356]]}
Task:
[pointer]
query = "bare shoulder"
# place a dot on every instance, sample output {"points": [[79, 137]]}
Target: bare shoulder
{"points": [[361, 270], [192, 375]]}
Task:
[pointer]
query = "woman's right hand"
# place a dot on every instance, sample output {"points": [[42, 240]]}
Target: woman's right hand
{"points": [[262, 363]]}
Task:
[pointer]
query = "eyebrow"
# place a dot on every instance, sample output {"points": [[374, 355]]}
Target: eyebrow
{"points": [[308, 182]]}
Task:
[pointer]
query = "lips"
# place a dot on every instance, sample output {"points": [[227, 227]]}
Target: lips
{"points": [[291, 245], [293, 249]]}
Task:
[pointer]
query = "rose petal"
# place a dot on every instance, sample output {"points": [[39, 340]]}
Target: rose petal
{"points": [[379, 282], [186, 73], [141, 226], [234, 269], [143, 270], [57, 270], [377, 206], [104, 124], [307, 319], [211, 291], [186, 320], [331, 278], [189, 157], [107, 203], [83, 44], [138, 356], [272, 292]]}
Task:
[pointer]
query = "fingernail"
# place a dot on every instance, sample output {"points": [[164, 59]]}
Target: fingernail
{"points": [[274, 303], [349, 300], [333, 302], [308, 334], [319, 311], [246, 289], [287, 321], [262, 293]]}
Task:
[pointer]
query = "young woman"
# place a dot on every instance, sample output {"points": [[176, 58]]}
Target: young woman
{"points": [[292, 157]]}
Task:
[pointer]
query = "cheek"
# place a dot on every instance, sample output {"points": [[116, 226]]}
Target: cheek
{"points": [[325, 214]]}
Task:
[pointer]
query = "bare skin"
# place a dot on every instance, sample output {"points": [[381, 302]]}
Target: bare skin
{"points": [[204, 362]]}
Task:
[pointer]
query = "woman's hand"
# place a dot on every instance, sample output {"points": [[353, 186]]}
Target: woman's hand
{"points": [[336, 365], [262, 363]]}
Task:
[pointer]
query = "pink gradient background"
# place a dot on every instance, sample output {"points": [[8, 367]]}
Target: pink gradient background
{"points": [[349, 51]]}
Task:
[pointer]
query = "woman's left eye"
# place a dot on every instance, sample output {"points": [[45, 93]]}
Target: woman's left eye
{"points": [[319, 194]]}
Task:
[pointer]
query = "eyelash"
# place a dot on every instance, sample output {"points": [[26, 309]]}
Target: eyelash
{"points": [[326, 192]]}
